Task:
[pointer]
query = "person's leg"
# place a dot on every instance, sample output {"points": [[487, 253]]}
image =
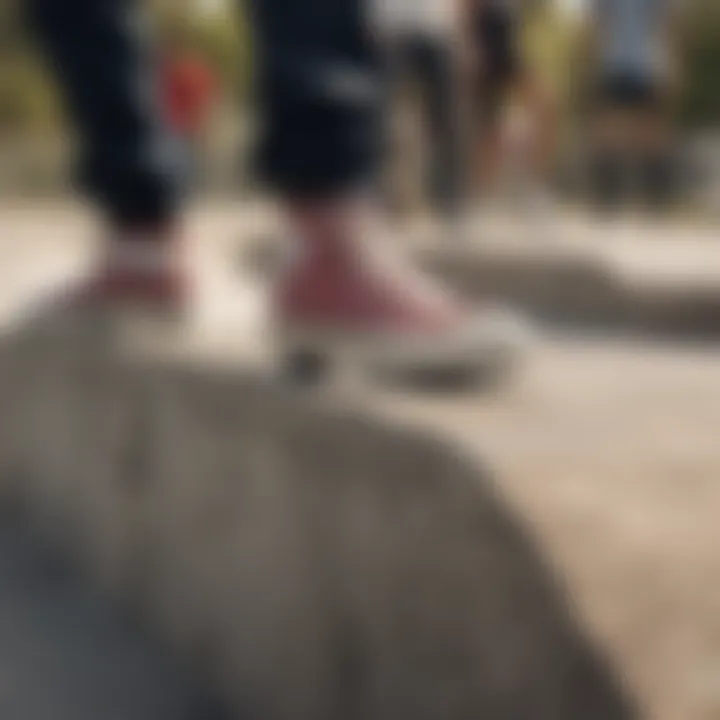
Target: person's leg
{"points": [[539, 106], [322, 107], [659, 165], [444, 106], [496, 31], [611, 143], [129, 164], [395, 188], [609, 160], [653, 139], [489, 147]]}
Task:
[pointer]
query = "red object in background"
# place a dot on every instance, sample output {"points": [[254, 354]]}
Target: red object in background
{"points": [[188, 89]]}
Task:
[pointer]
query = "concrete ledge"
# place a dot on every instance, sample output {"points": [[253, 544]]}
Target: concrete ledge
{"points": [[312, 560], [577, 287]]}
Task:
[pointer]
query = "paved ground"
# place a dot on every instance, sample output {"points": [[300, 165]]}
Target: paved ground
{"points": [[64, 655], [608, 448], [609, 451]]}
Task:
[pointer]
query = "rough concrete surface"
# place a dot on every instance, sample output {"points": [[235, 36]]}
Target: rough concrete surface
{"points": [[312, 561], [609, 452], [351, 555], [65, 655]]}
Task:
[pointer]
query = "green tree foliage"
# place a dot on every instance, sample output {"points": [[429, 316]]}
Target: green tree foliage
{"points": [[220, 36], [28, 102], [699, 45], [28, 98]]}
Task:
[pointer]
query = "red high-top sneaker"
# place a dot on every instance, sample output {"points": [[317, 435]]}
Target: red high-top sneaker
{"points": [[341, 298], [144, 274]]}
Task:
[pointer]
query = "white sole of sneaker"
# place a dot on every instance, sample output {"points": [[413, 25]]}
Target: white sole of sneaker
{"points": [[310, 356]]}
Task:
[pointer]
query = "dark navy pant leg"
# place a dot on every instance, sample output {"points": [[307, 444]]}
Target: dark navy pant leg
{"points": [[319, 93], [103, 60]]}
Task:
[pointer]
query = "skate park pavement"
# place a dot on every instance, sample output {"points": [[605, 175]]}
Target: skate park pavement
{"points": [[604, 450], [65, 654]]}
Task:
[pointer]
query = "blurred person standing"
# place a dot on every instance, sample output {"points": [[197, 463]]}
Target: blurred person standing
{"points": [[321, 82], [188, 91], [514, 110], [635, 81], [129, 162], [423, 52]]}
